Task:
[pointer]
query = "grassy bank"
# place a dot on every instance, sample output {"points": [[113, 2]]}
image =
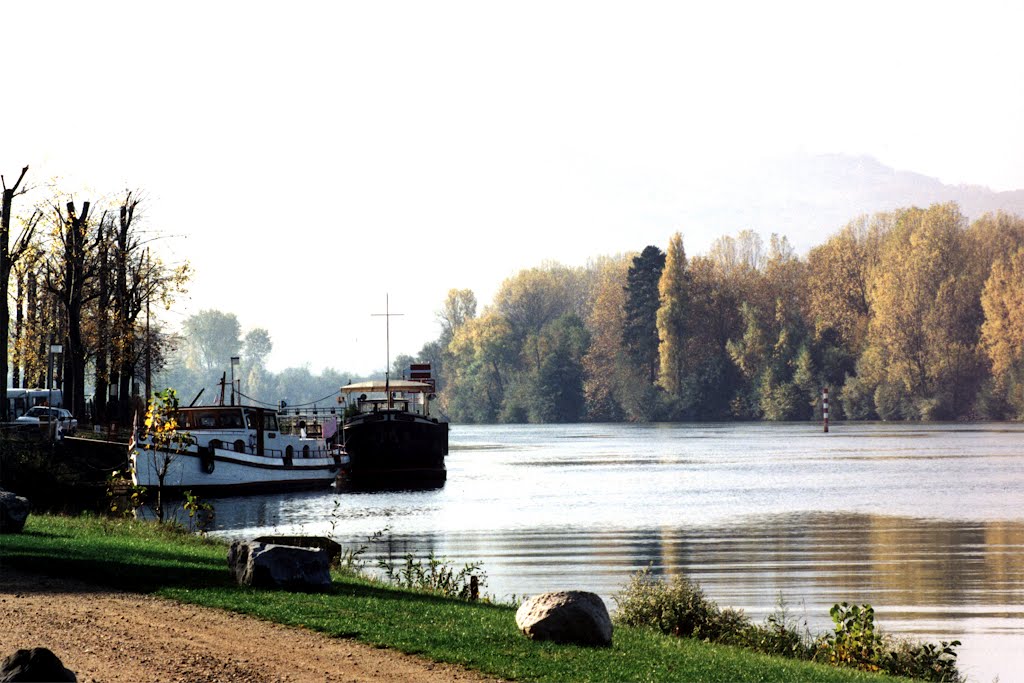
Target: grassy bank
{"points": [[147, 558]]}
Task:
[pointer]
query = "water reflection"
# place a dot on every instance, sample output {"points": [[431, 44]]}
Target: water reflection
{"points": [[922, 521]]}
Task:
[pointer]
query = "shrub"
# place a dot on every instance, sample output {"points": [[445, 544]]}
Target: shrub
{"points": [[781, 636], [857, 643], [678, 608], [925, 661]]}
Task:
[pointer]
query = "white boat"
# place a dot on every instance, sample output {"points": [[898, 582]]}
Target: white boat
{"points": [[228, 450]]}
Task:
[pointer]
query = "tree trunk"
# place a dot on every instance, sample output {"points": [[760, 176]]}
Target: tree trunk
{"points": [[19, 323], [6, 261], [74, 291], [103, 352]]}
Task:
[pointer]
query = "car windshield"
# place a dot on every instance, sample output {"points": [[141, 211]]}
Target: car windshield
{"points": [[38, 412]]}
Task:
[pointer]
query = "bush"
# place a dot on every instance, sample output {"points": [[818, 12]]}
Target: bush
{"points": [[679, 607]]}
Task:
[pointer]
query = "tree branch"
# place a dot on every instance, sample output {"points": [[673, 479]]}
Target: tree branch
{"points": [[20, 178]]}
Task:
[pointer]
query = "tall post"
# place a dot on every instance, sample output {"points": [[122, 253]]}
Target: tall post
{"points": [[387, 314], [824, 407]]}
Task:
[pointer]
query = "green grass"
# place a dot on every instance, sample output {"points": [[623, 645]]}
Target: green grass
{"points": [[146, 558]]}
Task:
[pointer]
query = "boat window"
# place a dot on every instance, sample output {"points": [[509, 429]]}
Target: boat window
{"points": [[269, 420], [231, 419], [211, 419]]}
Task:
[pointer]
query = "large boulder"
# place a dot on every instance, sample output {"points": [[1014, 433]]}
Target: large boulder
{"points": [[331, 547], [13, 512], [37, 664], [268, 565], [566, 617]]}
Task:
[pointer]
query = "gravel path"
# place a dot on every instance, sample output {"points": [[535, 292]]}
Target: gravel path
{"points": [[105, 635]]}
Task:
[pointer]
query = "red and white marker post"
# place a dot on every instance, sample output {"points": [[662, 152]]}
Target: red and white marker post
{"points": [[824, 407]]}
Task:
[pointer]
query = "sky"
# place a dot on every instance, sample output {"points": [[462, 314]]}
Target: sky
{"points": [[310, 158]]}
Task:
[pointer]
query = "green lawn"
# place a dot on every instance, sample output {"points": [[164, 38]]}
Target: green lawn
{"points": [[146, 558]]}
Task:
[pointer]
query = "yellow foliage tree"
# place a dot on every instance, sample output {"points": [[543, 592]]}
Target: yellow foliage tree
{"points": [[672, 318], [925, 309], [1002, 333]]}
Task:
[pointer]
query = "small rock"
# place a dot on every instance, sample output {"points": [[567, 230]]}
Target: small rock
{"points": [[575, 617], [37, 664]]}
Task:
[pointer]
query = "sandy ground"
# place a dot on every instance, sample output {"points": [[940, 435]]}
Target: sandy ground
{"points": [[103, 635]]}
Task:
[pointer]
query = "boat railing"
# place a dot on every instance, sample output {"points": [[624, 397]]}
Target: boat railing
{"points": [[305, 452]]}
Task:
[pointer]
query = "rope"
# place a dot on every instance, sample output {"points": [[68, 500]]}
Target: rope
{"points": [[297, 405]]}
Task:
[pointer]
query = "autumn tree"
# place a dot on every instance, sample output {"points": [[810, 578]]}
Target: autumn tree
{"points": [[484, 354], [672, 319], [715, 318], [459, 308], [606, 372], [1002, 334], [926, 320]]}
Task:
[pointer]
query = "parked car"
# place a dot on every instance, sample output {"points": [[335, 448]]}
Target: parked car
{"points": [[65, 422]]}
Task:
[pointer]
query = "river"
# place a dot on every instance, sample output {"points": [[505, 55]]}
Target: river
{"points": [[925, 522]]}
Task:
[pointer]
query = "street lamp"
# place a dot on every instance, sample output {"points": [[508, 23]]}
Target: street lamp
{"points": [[234, 362]]}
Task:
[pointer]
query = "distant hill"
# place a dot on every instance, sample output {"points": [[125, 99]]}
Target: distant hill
{"points": [[808, 198]]}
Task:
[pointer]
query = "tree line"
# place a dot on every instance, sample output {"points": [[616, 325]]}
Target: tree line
{"points": [[82, 276], [913, 314], [210, 338]]}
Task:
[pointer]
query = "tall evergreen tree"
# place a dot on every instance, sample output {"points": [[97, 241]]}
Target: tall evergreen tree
{"points": [[640, 332]]}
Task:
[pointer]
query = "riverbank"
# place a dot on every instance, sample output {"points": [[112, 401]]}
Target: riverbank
{"points": [[139, 558]]}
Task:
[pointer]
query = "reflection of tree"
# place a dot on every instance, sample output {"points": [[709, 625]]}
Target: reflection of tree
{"points": [[816, 560]]}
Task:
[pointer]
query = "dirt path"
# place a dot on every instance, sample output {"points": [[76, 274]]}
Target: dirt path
{"points": [[106, 636]]}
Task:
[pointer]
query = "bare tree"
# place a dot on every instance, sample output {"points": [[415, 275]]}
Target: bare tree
{"points": [[9, 255], [137, 278], [71, 269]]}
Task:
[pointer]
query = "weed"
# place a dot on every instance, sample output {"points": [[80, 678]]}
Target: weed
{"points": [[200, 514], [125, 496]]}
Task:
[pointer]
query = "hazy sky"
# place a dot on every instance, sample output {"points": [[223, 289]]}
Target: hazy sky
{"points": [[310, 157]]}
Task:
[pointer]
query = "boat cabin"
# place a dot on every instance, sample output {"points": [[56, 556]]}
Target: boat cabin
{"points": [[379, 395], [226, 417]]}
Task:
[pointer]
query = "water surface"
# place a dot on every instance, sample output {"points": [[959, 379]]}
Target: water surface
{"points": [[925, 522]]}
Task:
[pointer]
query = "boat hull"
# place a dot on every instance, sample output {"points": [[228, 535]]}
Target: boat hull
{"points": [[395, 449], [216, 471]]}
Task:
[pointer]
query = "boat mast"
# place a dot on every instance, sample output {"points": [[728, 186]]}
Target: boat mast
{"points": [[387, 345]]}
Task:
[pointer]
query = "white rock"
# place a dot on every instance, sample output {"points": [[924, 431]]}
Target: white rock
{"points": [[566, 617]]}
